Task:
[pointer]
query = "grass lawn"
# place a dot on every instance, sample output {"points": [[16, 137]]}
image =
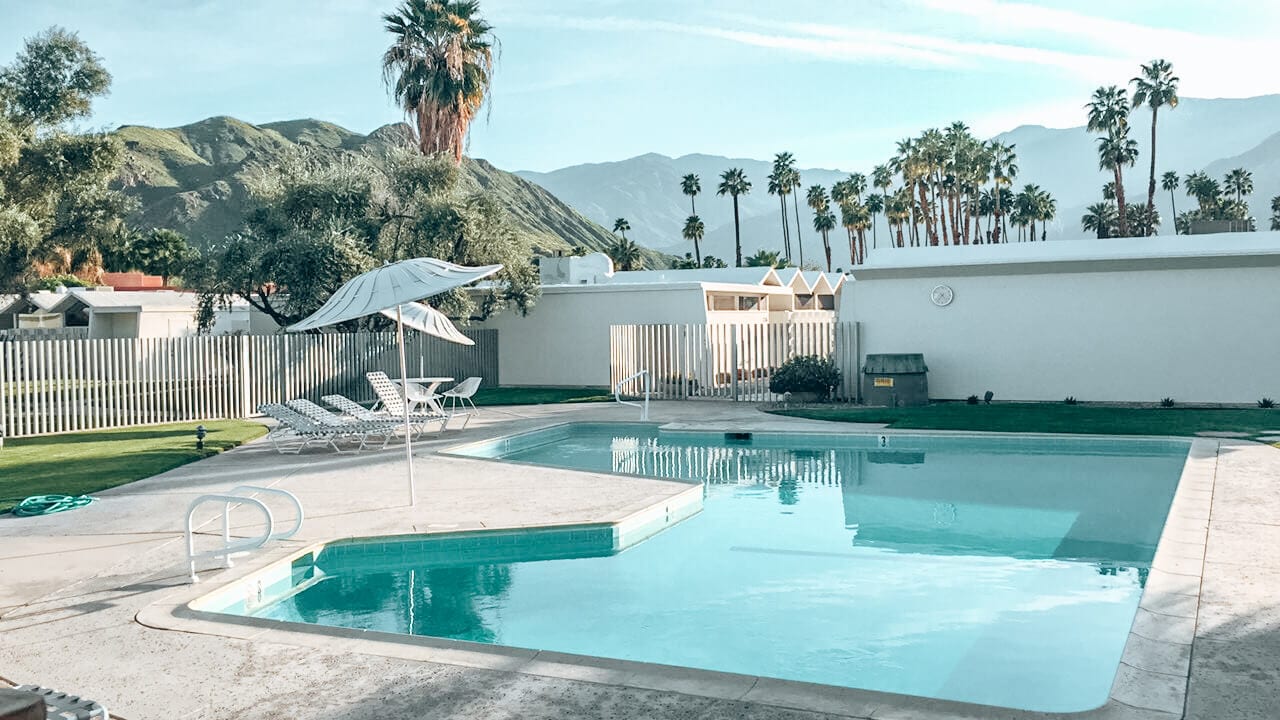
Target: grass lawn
{"points": [[1055, 418], [86, 462], [540, 395]]}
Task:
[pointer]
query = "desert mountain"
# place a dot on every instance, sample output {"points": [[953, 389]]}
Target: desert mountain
{"points": [[191, 178]]}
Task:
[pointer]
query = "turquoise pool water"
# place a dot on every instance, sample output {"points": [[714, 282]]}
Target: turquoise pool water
{"points": [[996, 571]]}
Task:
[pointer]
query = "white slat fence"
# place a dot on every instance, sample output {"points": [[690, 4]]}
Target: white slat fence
{"points": [[63, 385], [728, 361]]}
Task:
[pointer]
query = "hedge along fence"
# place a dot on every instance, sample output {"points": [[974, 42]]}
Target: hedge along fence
{"points": [[56, 386], [729, 361]]}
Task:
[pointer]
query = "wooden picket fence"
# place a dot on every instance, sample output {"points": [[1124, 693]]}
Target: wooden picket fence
{"points": [[730, 361], [56, 386]]}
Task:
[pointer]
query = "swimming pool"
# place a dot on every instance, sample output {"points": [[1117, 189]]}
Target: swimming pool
{"points": [[1003, 571]]}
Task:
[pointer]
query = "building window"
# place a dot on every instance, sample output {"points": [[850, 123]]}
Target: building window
{"points": [[826, 302]]}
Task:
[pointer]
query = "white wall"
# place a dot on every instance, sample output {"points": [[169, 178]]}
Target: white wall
{"points": [[1201, 334], [565, 338]]}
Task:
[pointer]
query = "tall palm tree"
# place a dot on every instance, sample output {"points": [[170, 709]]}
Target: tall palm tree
{"points": [[1169, 183], [882, 180], [793, 177], [1109, 114], [439, 69], [621, 226], [1240, 182], [693, 231], [780, 186], [1156, 86], [874, 205], [733, 182], [1004, 168], [691, 185], [824, 222], [1046, 210], [1114, 152]]}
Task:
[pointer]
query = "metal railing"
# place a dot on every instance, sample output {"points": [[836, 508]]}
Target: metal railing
{"points": [[237, 496], [617, 392]]}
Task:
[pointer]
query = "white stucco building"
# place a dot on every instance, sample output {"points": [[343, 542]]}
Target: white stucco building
{"points": [[106, 313], [564, 340], [1133, 319]]}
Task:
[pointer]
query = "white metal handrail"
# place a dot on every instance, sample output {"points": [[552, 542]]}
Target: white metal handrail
{"points": [[617, 393], [237, 496]]}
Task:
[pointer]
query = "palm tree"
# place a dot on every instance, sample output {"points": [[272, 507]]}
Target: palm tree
{"points": [[1004, 168], [691, 185], [1240, 182], [824, 222], [874, 205], [1169, 183], [1109, 114], [780, 186], [1275, 213], [1099, 218], [1046, 210], [882, 179], [1155, 87], [733, 182], [625, 254], [793, 177], [693, 231], [766, 258], [439, 69], [621, 226]]}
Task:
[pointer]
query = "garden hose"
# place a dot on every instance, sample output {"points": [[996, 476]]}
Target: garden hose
{"points": [[49, 504]]}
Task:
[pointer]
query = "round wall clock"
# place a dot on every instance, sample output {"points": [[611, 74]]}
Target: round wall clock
{"points": [[942, 295]]}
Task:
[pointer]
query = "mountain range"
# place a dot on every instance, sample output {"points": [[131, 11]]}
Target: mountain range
{"points": [[192, 178], [1213, 135]]}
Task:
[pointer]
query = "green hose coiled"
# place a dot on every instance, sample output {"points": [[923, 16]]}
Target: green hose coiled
{"points": [[49, 504]]}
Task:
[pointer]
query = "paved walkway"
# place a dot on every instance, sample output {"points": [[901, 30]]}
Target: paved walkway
{"points": [[72, 584]]}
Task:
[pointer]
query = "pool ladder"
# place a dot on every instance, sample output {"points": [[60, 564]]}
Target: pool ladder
{"points": [[239, 496], [617, 393]]}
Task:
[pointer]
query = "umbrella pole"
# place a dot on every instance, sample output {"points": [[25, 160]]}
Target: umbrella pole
{"points": [[404, 388]]}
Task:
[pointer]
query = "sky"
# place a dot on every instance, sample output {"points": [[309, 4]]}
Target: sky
{"points": [[835, 83]]}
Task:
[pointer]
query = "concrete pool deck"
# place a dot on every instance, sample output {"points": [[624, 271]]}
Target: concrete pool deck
{"points": [[72, 588]]}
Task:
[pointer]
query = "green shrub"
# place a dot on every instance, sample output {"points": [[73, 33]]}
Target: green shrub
{"points": [[1266, 402], [971, 400], [51, 282], [806, 373], [1070, 400], [1167, 402]]}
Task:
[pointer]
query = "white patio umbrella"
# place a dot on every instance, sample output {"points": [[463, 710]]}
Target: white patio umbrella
{"points": [[426, 319], [393, 287]]}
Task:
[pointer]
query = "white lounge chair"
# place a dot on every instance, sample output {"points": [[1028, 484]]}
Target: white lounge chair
{"points": [[393, 402], [420, 422], [296, 432], [384, 428], [461, 394]]}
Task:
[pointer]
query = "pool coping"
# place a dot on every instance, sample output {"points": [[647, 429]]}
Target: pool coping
{"points": [[1151, 681]]}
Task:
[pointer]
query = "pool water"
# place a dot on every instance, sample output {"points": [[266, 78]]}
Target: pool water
{"points": [[999, 571]]}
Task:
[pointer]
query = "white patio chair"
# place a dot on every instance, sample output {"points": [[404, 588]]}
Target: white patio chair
{"points": [[462, 394], [393, 403]]}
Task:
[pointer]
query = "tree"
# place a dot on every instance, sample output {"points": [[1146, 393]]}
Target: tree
{"points": [[766, 258], [1099, 218], [439, 69], [625, 254], [1156, 86], [780, 185], [691, 185], [1275, 213], [317, 221], [1169, 182], [1240, 182], [160, 252], [57, 210], [824, 221], [1116, 151], [621, 226], [1004, 168], [733, 182], [1109, 115], [874, 205], [882, 179], [693, 231]]}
